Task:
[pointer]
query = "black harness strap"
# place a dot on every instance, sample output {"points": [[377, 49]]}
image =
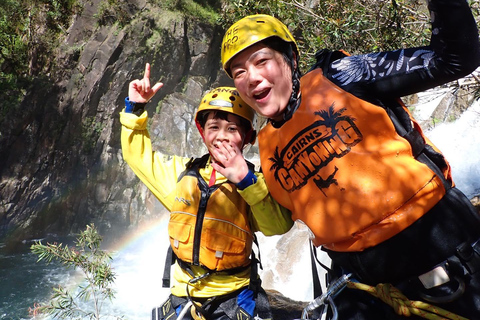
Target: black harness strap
{"points": [[169, 261], [416, 141], [317, 287], [255, 281], [469, 255], [419, 148]]}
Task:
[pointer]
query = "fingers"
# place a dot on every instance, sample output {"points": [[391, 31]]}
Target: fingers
{"points": [[149, 91], [229, 162], [146, 78], [140, 90], [157, 87], [226, 151]]}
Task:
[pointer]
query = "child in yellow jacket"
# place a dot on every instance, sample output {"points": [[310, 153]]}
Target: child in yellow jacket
{"points": [[217, 203]]}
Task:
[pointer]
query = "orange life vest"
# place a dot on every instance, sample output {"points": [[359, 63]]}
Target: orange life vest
{"points": [[339, 165], [209, 226]]}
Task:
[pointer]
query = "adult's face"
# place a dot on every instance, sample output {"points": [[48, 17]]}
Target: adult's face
{"points": [[263, 79]]}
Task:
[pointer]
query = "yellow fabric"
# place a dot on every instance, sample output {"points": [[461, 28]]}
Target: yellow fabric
{"points": [[160, 173], [226, 240], [213, 285], [402, 305]]}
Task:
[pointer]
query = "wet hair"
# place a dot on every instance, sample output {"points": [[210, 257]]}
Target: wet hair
{"points": [[223, 115]]}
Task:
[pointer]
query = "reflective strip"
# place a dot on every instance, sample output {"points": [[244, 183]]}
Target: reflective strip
{"points": [[230, 223]]}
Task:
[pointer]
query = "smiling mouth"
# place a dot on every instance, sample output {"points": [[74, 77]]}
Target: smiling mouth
{"points": [[262, 94]]}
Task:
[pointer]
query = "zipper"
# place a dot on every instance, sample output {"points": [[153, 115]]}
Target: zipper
{"points": [[205, 193]]}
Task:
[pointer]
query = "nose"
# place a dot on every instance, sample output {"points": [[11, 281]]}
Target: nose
{"points": [[253, 76], [222, 135]]}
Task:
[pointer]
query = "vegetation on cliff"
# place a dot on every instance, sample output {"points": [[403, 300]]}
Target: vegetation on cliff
{"points": [[30, 30]]}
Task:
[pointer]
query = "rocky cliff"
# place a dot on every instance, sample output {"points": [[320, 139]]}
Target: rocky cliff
{"points": [[61, 164]]}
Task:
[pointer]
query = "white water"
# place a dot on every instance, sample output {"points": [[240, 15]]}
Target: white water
{"points": [[139, 269], [460, 142]]}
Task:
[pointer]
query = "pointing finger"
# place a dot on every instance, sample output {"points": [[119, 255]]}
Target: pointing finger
{"points": [[146, 78]]}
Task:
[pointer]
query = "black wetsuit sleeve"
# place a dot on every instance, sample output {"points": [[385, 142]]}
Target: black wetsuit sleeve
{"points": [[454, 52]]}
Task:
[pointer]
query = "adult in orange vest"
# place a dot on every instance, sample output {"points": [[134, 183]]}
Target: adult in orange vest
{"points": [[343, 153]]}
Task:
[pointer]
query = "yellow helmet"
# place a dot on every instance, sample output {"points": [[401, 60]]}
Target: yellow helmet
{"points": [[250, 30], [228, 99]]}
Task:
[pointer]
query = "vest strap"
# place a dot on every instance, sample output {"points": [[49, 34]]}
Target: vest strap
{"points": [[169, 260], [416, 141], [418, 146]]}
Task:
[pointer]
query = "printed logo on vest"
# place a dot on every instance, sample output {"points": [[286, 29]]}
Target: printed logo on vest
{"points": [[184, 201], [330, 137]]}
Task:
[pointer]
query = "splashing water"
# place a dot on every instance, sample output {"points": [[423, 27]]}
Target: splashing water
{"points": [[460, 142]]}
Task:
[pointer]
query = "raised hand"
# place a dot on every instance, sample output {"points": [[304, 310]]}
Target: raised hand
{"points": [[140, 90], [229, 161]]}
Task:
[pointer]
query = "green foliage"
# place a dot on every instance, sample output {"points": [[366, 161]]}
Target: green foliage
{"points": [[356, 26], [204, 10], [13, 50], [28, 35], [91, 130], [28, 30], [99, 277], [112, 11]]}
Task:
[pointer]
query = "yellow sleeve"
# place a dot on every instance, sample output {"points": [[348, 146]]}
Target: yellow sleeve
{"points": [[268, 216], [159, 172]]}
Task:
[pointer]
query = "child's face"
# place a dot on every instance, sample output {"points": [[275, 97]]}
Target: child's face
{"points": [[217, 130]]}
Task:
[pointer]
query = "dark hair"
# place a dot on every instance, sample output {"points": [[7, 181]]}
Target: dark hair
{"points": [[223, 115], [281, 46]]}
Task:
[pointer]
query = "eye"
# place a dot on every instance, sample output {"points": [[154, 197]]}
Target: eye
{"points": [[261, 61], [238, 73], [212, 126]]}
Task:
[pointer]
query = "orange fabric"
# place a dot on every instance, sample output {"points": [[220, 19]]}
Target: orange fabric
{"points": [[226, 240], [342, 169]]}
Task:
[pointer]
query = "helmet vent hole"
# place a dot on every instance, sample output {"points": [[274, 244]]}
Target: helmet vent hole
{"points": [[214, 96]]}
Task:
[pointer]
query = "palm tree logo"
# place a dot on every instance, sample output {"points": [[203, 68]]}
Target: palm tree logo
{"points": [[336, 135]]}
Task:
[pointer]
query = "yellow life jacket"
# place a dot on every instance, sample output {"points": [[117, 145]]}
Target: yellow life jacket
{"points": [[209, 226], [340, 166]]}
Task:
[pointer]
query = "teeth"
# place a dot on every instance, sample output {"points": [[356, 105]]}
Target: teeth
{"points": [[260, 93]]}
